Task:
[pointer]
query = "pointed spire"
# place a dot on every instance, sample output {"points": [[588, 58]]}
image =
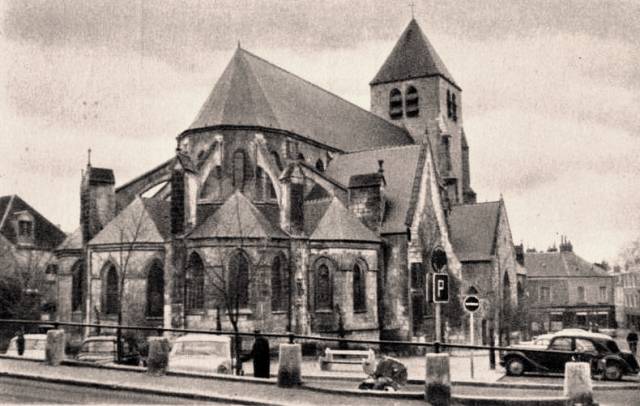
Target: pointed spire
{"points": [[412, 57], [89, 157]]}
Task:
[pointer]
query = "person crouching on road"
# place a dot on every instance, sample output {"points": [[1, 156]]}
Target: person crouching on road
{"points": [[260, 355]]}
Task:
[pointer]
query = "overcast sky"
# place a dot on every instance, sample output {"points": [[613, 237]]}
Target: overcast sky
{"points": [[550, 103]]}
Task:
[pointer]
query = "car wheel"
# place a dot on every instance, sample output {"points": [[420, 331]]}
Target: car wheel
{"points": [[515, 367], [613, 372]]}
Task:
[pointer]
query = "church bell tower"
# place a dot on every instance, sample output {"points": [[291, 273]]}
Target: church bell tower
{"points": [[414, 89]]}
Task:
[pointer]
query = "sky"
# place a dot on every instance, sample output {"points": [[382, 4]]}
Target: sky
{"points": [[550, 93]]}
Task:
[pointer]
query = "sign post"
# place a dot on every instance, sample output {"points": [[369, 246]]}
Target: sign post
{"points": [[471, 304], [440, 289]]}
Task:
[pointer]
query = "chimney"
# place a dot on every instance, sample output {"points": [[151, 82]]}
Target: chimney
{"points": [[184, 194], [97, 200], [366, 197], [565, 244], [292, 207]]}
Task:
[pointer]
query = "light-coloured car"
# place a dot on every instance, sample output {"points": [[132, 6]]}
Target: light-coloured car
{"points": [[201, 353], [34, 346]]}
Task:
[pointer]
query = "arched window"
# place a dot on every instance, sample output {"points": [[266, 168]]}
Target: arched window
{"points": [[359, 288], [300, 157], [279, 284], [412, 102], [238, 280], [276, 159], [472, 291], [395, 104], [449, 114], [239, 162], [112, 293], [320, 165], [77, 286], [155, 290], [195, 284], [260, 184], [322, 287]]}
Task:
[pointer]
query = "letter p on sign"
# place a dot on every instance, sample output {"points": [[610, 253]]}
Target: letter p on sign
{"points": [[440, 288]]}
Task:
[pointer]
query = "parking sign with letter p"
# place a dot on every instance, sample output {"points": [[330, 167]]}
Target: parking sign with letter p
{"points": [[440, 288]]}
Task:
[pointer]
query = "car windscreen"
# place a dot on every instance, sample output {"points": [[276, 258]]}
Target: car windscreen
{"points": [[210, 348], [98, 346]]}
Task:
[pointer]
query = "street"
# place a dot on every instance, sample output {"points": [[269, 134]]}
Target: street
{"points": [[14, 390]]}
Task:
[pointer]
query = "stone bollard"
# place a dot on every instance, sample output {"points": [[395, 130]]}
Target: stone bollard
{"points": [[54, 351], [158, 358], [290, 364], [577, 383], [437, 383]]}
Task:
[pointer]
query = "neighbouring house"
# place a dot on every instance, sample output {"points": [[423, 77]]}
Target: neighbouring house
{"points": [[567, 291], [27, 266], [628, 297]]}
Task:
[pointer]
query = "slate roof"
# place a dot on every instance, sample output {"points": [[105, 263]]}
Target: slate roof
{"points": [[401, 172], [313, 212], [412, 57], [472, 230], [72, 242], [254, 92], [339, 224], [160, 212], [560, 264], [237, 218], [46, 235], [99, 176], [124, 227]]}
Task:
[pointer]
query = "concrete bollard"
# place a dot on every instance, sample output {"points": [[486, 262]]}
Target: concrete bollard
{"points": [[54, 351], [158, 358], [437, 383], [577, 383], [290, 364]]}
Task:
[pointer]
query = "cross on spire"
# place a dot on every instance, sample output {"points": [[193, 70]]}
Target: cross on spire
{"points": [[412, 5], [89, 157]]}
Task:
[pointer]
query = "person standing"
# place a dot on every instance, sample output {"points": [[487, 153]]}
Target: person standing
{"points": [[632, 340], [20, 342], [260, 355]]}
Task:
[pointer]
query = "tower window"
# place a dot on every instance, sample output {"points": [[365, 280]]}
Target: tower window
{"points": [[449, 114], [395, 104], [454, 108], [412, 102]]}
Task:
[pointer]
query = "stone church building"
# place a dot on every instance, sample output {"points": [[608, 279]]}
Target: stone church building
{"points": [[288, 208]]}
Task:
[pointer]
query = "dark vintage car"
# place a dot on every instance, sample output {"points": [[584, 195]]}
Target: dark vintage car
{"points": [[103, 350], [598, 349]]}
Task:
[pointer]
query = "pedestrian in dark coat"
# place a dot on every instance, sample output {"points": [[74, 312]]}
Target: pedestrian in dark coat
{"points": [[632, 340], [260, 355], [20, 342]]}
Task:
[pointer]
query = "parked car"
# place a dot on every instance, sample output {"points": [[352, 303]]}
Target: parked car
{"points": [[201, 353], [34, 346], [103, 350], [598, 349]]}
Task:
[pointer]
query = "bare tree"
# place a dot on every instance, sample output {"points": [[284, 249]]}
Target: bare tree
{"points": [[22, 281], [629, 257]]}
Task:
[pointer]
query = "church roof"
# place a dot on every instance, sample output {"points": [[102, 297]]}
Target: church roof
{"points": [[237, 218], [46, 235], [142, 221], [254, 92], [560, 264], [472, 230], [72, 242], [339, 224], [412, 57], [402, 169]]}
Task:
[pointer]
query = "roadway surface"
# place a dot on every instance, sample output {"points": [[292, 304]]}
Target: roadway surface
{"points": [[14, 390]]}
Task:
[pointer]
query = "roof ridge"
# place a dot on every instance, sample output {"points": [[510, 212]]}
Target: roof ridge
{"points": [[383, 148], [325, 90], [7, 210], [248, 69], [476, 203]]}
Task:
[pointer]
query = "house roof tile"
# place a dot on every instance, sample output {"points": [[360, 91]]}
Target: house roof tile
{"points": [[46, 235], [560, 264]]}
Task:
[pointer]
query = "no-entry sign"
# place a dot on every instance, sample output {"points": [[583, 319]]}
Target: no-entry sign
{"points": [[471, 303]]}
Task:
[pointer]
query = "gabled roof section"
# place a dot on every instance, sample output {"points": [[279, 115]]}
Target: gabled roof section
{"points": [[254, 92], [339, 224], [560, 264], [135, 224], [160, 212], [237, 218], [412, 57], [401, 172], [46, 235], [73, 242], [473, 229]]}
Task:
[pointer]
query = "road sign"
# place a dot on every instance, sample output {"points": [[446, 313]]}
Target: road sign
{"points": [[471, 303], [440, 288], [438, 259]]}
